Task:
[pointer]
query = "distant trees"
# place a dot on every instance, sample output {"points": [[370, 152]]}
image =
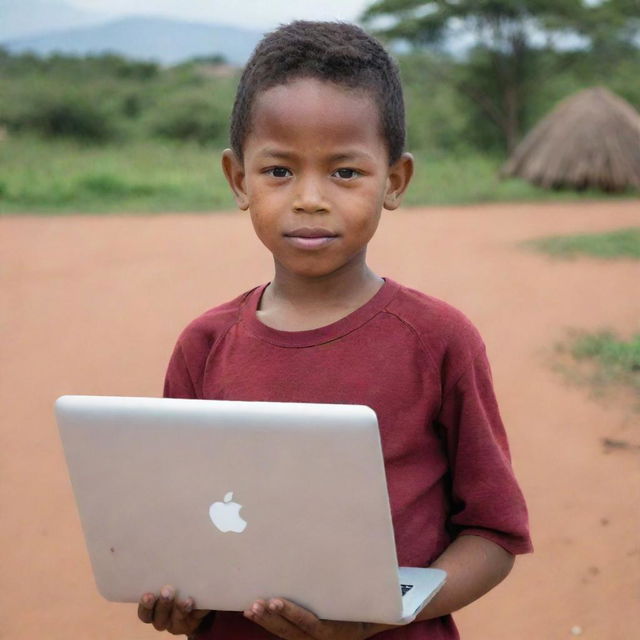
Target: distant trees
{"points": [[104, 98], [511, 45], [515, 69]]}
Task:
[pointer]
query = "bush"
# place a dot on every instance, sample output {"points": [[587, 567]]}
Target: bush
{"points": [[194, 118], [62, 115], [108, 185]]}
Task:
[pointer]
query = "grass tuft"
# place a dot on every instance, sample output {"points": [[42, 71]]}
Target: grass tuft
{"points": [[618, 356], [622, 243], [603, 359]]}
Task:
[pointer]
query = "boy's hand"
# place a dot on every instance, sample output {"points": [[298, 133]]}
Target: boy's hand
{"points": [[166, 613], [292, 622]]}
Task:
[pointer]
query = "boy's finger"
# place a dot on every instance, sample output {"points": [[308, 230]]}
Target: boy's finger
{"points": [[299, 616], [199, 614], [145, 607], [163, 608], [276, 624], [180, 614]]}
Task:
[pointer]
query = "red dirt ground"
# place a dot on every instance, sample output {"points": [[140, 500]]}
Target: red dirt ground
{"points": [[93, 305]]}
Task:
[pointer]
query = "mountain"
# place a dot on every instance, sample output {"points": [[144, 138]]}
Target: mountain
{"points": [[22, 18], [147, 38]]}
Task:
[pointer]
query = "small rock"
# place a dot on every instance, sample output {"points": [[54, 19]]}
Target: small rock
{"points": [[576, 630]]}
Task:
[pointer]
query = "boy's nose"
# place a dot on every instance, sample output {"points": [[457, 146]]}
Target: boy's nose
{"points": [[309, 197]]}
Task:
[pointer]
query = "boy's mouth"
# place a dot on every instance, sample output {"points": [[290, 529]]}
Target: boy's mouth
{"points": [[310, 237]]}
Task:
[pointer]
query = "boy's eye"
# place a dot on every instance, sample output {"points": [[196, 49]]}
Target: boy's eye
{"points": [[347, 174], [278, 172]]}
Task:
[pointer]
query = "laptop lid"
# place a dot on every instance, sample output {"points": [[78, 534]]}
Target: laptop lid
{"points": [[231, 501]]}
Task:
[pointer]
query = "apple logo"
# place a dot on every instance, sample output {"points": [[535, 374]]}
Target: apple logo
{"points": [[226, 515]]}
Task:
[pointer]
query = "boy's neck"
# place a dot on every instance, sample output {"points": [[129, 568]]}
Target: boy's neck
{"points": [[295, 303]]}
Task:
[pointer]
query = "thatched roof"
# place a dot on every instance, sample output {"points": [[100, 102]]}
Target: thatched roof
{"points": [[591, 139]]}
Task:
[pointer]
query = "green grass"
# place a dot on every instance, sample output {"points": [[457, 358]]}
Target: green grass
{"points": [[603, 359], [473, 178], [152, 176], [65, 177], [622, 243]]}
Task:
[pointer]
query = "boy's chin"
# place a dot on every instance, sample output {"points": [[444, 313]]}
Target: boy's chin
{"points": [[316, 267], [318, 273], [309, 274]]}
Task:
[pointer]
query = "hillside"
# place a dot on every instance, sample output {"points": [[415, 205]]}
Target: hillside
{"points": [[34, 17], [145, 38]]}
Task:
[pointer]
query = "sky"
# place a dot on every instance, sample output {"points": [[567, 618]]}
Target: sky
{"points": [[254, 14]]}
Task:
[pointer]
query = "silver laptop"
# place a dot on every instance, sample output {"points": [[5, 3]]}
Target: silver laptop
{"points": [[233, 501]]}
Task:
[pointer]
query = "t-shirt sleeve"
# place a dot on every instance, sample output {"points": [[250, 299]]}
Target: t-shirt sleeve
{"points": [[177, 381], [485, 497], [185, 374]]}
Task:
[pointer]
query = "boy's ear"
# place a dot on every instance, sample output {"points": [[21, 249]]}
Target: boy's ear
{"points": [[400, 174], [234, 173]]}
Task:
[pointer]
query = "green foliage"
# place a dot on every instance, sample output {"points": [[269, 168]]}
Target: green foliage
{"points": [[111, 185], [58, 114], [468, 177], [502, 73], [436, 117], [62, 176], [610, 350], [622, 243], [106, 98], [616, 360], [107, 134], [78, 68], [612, 28], [495, 22], [197, 117], [214, 59]]}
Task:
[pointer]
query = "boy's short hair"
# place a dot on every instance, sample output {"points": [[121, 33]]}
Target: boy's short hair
{"points": [[331, 51]]}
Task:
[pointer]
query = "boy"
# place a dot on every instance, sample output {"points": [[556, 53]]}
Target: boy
{"points": [[317, 136]]}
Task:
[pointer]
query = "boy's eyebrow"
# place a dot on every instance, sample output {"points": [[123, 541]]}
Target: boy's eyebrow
{"points": [[274, 153], [349, 155], [287, 155]]}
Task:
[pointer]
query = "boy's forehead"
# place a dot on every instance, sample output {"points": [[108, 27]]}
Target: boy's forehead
{"points": [[311, 111]]}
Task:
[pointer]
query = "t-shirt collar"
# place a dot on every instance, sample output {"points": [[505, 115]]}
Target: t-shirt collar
{"points": [[321, 335]]}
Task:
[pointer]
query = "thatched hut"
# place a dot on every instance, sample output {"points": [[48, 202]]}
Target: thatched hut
{"points": [[591, 139]]}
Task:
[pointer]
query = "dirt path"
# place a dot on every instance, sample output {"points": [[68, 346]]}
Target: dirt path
{"points": [[93, 305]]}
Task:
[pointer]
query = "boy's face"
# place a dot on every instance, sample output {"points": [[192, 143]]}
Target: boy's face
{"points": [[315, 175]]}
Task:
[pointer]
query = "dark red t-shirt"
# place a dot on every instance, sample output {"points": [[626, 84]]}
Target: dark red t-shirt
{"points": [[421, 365]]}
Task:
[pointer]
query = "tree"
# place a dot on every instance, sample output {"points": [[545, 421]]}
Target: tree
{"points": [[612, 28], [503, 61]]}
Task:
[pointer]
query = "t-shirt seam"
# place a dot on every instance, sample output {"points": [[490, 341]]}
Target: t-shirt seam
{"points": [[187, 368], [425, 349], [223, 335], [366, 321], [465, 371], [212, 346], [255, 336]]}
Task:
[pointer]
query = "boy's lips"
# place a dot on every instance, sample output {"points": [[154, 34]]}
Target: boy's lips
{"points": [[310, 237]]}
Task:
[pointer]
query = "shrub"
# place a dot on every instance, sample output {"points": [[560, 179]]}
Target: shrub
{"points": [[108, 185], [62, 115], [193, 118]]}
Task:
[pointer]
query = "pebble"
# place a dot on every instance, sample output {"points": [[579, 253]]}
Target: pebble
{"points": [[576, 630]]}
